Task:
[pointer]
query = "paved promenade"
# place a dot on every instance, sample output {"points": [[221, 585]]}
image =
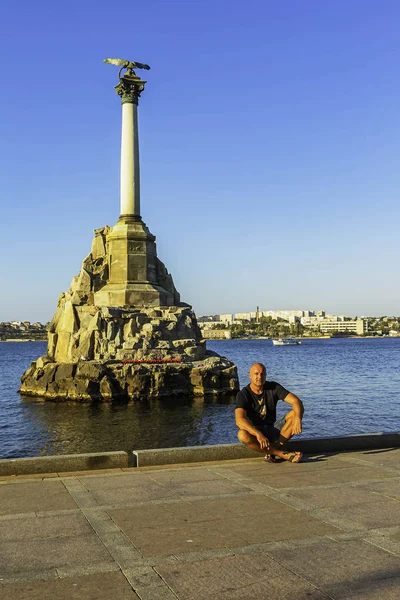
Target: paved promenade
{"points": [[328, 527]]}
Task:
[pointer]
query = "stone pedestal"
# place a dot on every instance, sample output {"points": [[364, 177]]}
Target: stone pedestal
{"points": [[111, 338], [133, 268]]}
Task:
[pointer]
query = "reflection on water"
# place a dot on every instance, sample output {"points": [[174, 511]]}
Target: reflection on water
{"points": [[348, 386], [62, 428]]}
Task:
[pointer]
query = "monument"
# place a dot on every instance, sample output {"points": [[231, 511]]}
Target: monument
{"points": [[121, 330]]}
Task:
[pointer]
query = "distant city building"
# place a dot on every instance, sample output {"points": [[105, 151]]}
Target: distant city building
{"points": [[248, 316], [286, 314], [207, 318], [293, 319], [358, 326], [216, 334], [228, 318], [316, 321], [208, 324]]}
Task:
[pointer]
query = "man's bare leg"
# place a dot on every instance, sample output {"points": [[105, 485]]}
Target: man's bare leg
{"points": [[285, 434], [287, 428], [251, 441]]}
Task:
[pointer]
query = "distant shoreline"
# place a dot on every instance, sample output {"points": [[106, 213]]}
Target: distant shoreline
{"points": [[313, 337]]}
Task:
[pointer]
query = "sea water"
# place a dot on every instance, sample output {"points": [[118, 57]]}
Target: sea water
{"points": [[348, 386]]}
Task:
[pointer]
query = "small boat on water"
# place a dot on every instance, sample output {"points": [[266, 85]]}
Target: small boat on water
{"points": [[287, 341]]}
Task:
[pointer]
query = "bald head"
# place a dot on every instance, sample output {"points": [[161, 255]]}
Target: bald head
{"points": [[257, 374], [258, 367]]}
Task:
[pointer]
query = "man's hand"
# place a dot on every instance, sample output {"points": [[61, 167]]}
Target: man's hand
{"points": [[297, 427], [262, 440]]}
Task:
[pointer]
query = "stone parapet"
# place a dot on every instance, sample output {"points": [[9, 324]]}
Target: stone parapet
{"points": [[185, 455], [63, 463]]}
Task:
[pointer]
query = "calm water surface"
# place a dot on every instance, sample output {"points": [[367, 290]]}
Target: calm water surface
{"points": [[347, 385]]}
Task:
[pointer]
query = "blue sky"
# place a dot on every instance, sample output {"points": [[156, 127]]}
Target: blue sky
{"points": [[269, 140]]}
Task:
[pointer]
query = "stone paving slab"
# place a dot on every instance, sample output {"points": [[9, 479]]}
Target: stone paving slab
{"points": [[43, 527], [341, 568], [147, 490], [328, 527], [239, 577], [156, 516], [388, 489], [32, 555], [193, 489], [182, 476], [328, 497], [287, 525], [381, 513], [112, 481], [237, 507], [39, 495], [388, 458], [387, 538], [299, 478], [4, 479], [191, 537], [101, 586]]}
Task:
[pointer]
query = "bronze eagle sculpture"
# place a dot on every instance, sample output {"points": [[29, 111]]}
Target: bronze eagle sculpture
{"points": [[126, 64]]}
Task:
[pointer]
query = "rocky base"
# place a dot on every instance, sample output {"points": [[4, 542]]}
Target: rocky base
{"points": [[88, 380], [99, 352]]}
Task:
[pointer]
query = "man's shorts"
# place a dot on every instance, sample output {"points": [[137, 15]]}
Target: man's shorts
{"points": [[271, 433]]}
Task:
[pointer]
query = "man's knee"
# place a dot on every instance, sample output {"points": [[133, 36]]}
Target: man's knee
{"points": [[291, 414], [244, 436]]}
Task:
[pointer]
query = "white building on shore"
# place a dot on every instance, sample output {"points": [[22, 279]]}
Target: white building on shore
{"points": [[326, 322]]}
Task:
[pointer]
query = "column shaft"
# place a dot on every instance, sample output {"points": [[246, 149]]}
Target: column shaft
{"points": [[130, 173]]}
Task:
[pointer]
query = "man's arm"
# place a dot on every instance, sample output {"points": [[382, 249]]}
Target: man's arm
{"points": [[298, 410], [244, 423]]}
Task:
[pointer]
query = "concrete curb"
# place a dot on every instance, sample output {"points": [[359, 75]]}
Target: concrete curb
{"points": [[170, 456], [63, 463]]}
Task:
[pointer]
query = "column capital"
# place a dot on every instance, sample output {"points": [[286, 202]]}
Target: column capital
{"points": [[129, 88]]}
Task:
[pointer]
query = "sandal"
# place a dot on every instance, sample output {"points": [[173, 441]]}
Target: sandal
{"points": [[294, 457], [269, 458]]}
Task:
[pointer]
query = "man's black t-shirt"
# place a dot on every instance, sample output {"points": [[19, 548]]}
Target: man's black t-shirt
{"points": [[261, 408]]}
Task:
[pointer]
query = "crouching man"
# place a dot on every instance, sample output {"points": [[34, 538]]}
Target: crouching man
{"points": [[256, 415]]}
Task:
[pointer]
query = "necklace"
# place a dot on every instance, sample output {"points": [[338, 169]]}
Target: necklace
{"points": [[259, 397], [262, 406]]}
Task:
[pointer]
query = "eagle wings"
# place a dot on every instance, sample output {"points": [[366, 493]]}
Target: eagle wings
{"points": [[126, 64]]}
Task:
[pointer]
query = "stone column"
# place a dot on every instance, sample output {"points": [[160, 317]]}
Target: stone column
{"points": [[130, 88], [136, 277]]}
